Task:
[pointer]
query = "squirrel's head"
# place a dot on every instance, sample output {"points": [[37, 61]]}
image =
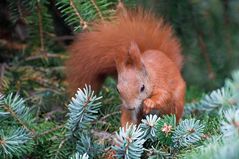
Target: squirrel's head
{"points": [[133, 80]]}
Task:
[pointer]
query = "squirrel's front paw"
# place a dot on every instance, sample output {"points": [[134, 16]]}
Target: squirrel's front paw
{"points": [[149, 104]]}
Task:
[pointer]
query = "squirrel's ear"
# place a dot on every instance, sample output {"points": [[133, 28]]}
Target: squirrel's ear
{"points": [[121, 10], [135, 55], [119, 62]]}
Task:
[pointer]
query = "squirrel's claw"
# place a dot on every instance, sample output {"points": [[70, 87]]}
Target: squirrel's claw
{"points": [[149, 104]]}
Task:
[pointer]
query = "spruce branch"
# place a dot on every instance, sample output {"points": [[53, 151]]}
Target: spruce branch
{"points": [[83, 23], [49, 131], [97, 9], [14, 143], [233, 83], [85, 144], [79, 15], [215, 148], [58, 151], [78, 156], [19, 9], [129, 142], [188, 132], [165, 128], [230, 125], [14, 106], [218, 99], [148, 126], [83, 110]]}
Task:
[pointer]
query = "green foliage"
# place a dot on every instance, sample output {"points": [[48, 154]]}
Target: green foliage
{"points": [[77, 156], [79, 14], [165, 128], [16, 139], [14, 106], [24, 132], [83, 109], [86, 145], [18, 9], [188, 131], [15, 143], [215, 149], [148, 126], [230, 124], [129, 142], [218, 100]]}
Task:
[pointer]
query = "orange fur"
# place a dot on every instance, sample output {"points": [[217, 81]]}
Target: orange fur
{"points": [[92, 53], [161, 80], [100, 52]]}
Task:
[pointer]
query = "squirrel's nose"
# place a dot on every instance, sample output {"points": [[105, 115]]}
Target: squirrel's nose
{"points": [[128, 107], [131, 108]]}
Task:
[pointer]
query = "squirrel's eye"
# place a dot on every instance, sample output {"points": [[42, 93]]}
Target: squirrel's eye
{"points": [[117, 90], [142, 88]]}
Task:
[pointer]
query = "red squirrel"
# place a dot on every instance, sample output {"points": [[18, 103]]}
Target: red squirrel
{"points": [[145, 55]]}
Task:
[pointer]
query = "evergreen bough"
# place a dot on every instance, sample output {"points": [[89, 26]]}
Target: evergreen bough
{"points": [[78, 156], [165, 128], [129, 142], [18, 139], [80, 14], [15, 142], [148, 126], [188, 131], [83, 109], [218, 100]]}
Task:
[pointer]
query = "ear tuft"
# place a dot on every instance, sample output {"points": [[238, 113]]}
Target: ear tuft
{"points": [[135, 55], [134, 49], [119, 62]]}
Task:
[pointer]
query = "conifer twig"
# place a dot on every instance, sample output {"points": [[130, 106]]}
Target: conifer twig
{"points": [[109, 115], [49, 131], [19, 9], [45, 55], [13, 114], [59, 147], [97, 9], [40, 26], [12, 45], [83, 23]]}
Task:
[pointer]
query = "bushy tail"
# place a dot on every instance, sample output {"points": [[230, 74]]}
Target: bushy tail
{"points": [[92, 53]]}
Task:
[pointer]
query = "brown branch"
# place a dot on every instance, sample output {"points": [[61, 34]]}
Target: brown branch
{"points": [[49, 131], [203, 51], [61, 38], [226, 22], [83, 23], [45, 55], [97, 9], [40, 26], [12, 45], [109, 115], [2, 71]]}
